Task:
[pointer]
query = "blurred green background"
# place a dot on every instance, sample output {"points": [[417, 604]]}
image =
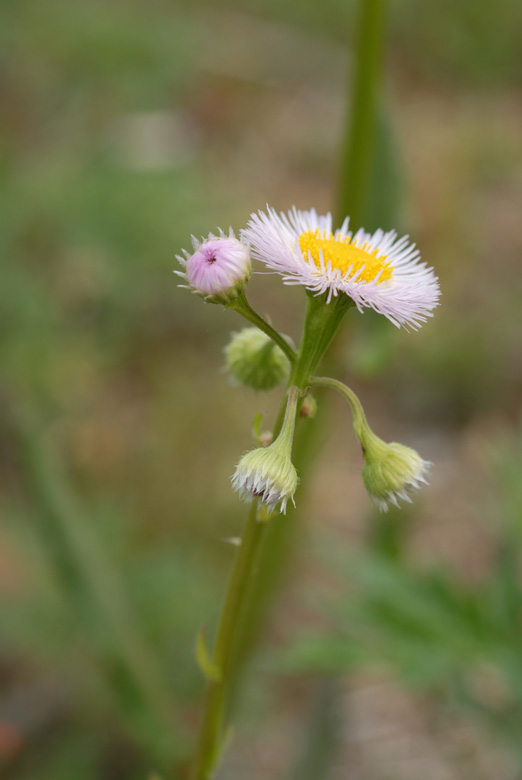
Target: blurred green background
{"points": [[126, 126]]}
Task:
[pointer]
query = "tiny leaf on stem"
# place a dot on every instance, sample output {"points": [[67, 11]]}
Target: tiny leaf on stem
{"points": [[205, 663]]}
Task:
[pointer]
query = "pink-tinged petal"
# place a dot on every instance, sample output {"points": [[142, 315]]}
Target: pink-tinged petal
{"points": [[407, 299], [218, 269]]}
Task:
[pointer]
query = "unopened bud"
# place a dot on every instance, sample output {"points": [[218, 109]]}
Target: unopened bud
{"points": [[391, 470], [255, 361], [266, 438], [268, 473], [219, 268], [308, 407]]}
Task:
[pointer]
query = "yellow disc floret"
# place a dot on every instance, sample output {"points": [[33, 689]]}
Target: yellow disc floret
{"points": [[345, 256]]}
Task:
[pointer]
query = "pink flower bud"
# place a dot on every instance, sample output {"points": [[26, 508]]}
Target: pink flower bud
{"points": [[219, 268]]}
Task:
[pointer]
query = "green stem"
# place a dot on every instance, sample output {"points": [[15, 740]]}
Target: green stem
{"points": [[357, 156], [321, 324], [213, 733], [243, 307], [360, 423], [213, 729]]}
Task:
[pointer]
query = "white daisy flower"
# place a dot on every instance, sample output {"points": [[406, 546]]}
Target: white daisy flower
{"points": [[378, 271]]}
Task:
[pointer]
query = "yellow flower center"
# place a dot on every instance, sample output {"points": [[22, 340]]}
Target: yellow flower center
{"points": [[345, 256]]}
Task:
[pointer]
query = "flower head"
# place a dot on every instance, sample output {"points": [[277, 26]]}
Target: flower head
{"points": [[390, 471], [268, 473], [218, 269], [254, 360], [377, 271]]}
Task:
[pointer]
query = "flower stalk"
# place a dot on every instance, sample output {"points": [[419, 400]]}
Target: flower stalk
{"points": [[360, 423], [339, 268], [391, 470], [213, 733], [321, 323], [243, 307]]}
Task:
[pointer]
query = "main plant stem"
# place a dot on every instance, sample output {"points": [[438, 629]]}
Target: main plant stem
{"points": [[213, 728], [321, 323]]}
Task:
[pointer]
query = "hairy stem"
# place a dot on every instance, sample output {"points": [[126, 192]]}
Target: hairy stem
{"points": [[359, 418], [213, 728], [321, 324], [243, 307], [264, 545], [225, 669]]}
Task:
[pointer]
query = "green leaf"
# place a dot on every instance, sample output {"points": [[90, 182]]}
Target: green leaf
{"points": [[256, 426], [203, 657]]}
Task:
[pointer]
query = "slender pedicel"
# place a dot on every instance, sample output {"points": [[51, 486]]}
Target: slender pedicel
{"points": [[390, 470]]}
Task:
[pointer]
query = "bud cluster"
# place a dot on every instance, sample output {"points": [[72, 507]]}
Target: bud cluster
{"points": [[260, 357]]}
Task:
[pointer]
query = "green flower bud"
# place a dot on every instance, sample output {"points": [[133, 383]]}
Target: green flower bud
{"points": [[268, 473], [308, 407], [391, 470], [254, 360]]}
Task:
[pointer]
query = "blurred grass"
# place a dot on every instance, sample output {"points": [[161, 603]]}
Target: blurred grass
{"points": [[127, 126]]}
